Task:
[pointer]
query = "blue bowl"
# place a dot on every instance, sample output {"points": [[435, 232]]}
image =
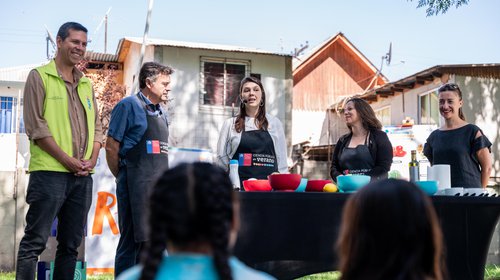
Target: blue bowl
{"points": [[429, 187], [352, 183]]}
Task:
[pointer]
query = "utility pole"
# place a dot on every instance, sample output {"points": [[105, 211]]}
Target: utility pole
{"points": [[106, 31]]}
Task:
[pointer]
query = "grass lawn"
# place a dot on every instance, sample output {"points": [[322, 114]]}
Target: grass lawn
{"points": [[11, 276], [492, 272]]}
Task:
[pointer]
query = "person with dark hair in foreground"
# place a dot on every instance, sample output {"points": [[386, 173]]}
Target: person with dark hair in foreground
{"points": [[390, 230], [194, 214]]}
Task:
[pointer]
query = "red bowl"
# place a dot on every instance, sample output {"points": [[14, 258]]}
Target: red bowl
{"points": [[284, 182], [257, 186], [316, 185]]}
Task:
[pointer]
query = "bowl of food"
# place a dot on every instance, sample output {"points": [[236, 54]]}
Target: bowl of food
{"points": [[284, 182], [352, 182], [254, 185], [316, 185], [428, 187]]}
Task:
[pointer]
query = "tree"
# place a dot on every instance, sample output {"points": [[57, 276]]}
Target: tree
{"points": [[435, 7], [107, 91]]}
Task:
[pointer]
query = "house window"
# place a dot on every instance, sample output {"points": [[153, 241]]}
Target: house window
{"points": [[8, 117], [429, 108], [384, 115], [220, 81]]}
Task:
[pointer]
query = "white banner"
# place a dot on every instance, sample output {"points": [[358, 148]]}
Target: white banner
{"points": [[102, 221]]}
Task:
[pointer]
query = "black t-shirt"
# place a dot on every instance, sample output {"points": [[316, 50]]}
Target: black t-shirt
{"points": [[458, 148]]}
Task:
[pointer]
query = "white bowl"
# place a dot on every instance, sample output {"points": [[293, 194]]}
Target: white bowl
{"points": [[475, 191], [451, 191]]}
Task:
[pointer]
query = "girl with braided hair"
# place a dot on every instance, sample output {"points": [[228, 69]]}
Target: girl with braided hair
{"points": [[194, 215]]}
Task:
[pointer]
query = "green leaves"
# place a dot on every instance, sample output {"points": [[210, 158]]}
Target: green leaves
{"points": [[436, 7]]}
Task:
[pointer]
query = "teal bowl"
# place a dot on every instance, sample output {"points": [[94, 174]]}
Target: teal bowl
{"points": [[428, 187], [352, 183]]}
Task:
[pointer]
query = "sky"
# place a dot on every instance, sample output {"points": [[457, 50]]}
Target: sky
{"points": [[469, 34]]}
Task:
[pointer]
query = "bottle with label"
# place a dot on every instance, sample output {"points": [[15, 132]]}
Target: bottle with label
{"points": [[233, 174], [414, 167]]}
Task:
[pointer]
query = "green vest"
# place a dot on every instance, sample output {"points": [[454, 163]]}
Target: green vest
{"points": [[55, 112]]}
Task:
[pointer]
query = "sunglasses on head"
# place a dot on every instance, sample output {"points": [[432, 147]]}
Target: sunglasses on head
{"points": [[449, 86]]}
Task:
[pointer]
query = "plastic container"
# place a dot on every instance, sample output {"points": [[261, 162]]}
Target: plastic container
{"points": [[233, 174], [429, 187], [351, 183]]}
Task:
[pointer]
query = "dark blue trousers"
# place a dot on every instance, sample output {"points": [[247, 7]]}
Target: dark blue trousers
{"points": [[128, 251], [50, 195]]}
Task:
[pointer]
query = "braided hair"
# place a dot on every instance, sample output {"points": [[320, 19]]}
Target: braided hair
{"points": [[191, 203]]}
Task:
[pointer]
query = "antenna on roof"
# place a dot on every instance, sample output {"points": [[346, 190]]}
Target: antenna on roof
{"points": [[387, 57], [105, 21], [297, 51], [143, 45], [50, 39]]}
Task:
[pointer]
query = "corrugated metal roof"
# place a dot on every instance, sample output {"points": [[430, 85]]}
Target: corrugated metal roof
{"points": [[17, 73], [486, 70], [101, 57], [204, 46]]}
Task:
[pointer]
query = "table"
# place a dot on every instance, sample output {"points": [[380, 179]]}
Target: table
{"points": [[290, 235]]}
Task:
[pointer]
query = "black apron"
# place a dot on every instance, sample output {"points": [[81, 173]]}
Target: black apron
{"points": [[145, 162], [255, 155], [357, 160]]}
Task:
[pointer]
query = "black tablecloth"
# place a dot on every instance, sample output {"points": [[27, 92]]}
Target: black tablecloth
{"points": [[290, 235]]}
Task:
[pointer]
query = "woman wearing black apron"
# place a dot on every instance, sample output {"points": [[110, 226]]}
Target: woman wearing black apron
{"points": [[366, 150], [254, 138]]}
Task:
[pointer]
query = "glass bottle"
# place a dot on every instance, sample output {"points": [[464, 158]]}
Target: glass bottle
{"points": [[413, 166]]}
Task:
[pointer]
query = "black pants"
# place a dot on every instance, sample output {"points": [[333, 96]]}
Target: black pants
{"points": [[50, 195]]}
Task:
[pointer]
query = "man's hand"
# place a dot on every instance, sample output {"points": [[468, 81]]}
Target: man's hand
{"points": [[112, 149], [49, 145], [88, 165], [72, 164]]}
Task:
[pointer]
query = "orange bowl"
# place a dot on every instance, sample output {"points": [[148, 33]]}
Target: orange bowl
{"points": [[284, 182], [316, 185], [257, 186]]}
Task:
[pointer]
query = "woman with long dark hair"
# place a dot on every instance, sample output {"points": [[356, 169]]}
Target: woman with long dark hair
{"points": [[194, 215], [460, 144], [254, 138], [390, 230], [366, 149]]}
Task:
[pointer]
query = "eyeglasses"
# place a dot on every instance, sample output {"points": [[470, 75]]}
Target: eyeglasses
{"points": [[449, 86]]}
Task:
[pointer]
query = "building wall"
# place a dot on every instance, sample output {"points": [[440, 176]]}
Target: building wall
{"points": [[12, 212], [307, 126], [197, 126], [8, 142], [131, 66], [481, 107], [405, 105], [334, 73]]}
